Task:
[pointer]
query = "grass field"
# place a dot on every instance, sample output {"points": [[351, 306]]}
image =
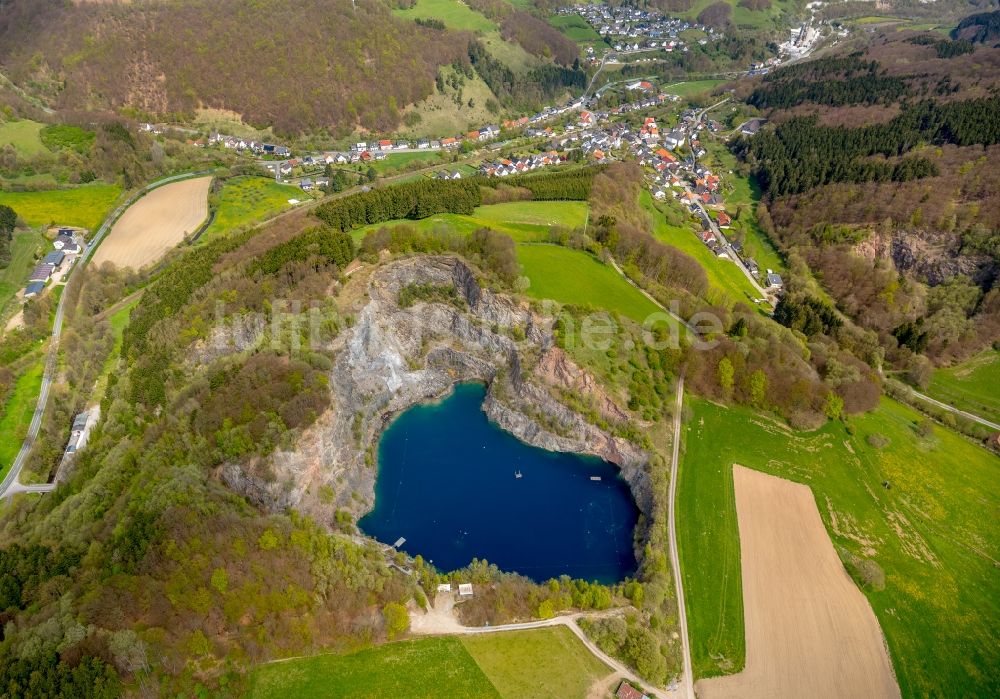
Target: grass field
{"points": [[973, 385], [727, 283], [24, 136], [524, 221], [18, 411], [426, 667], [85, 206], [513, 665], [14, 276], [454, 14], [576, 28], [246, 200], [397, 161], [692, 87], [536, 664], [571, 276], [923, 546]]}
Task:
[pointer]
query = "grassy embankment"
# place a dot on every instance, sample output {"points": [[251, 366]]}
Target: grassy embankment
{"points": [[246, 200], [691, 88], [18, 411], [86, 206], [973, 385], [519, 664], [727, 283], [921, 549]]}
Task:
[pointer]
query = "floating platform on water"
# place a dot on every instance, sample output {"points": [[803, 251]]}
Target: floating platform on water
{"points": [[399, 542], [595, 478]]}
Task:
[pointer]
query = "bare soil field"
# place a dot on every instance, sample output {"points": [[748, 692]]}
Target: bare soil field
{"points": [[156, 223], [809, 630]]}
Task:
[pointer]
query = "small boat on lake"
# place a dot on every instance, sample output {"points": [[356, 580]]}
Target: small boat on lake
{"points": [[517, 474]]}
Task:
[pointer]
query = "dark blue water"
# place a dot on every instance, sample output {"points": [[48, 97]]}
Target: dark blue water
{"points": [[446, 482]]}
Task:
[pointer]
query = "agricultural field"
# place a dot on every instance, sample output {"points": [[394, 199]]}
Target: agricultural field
{"points": [[18, 411], [24, 136], [540, 663], [524, 221], [973, 385], [806, 620], [572, 276], [246, 200], [728, 284], [745, 17], [84, 207], [903, 508], [156, 223], [576, 28]]}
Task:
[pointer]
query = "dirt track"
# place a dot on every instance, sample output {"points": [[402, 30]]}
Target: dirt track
{"points": [[809, 630], [155, 224]]}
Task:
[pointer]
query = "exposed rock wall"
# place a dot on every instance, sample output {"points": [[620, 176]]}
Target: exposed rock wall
{"points": [[393, 358]]}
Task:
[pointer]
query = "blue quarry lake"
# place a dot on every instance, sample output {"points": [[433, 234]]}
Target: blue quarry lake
{"points": [[447, 483]]}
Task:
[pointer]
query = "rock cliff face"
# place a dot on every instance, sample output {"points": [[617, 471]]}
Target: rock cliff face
{"points": [[393, 358], [932, 257]]}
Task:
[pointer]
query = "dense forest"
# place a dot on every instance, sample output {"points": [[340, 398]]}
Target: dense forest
{"points": [[799, 154], [980, 28], [415, 200], [293, 64]]}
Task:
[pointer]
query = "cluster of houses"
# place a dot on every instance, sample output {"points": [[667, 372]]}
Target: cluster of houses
{"points": [[520, 164], [633, 29], [67, 246], [241, 145]]}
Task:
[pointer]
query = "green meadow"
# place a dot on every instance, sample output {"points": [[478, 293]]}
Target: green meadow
{"points": [[246, 200], [24, 136], [454, 14], [86, 206], [904, 510], [524, 221], [532, 664], [689, 89], [575, 277], [973, 385]]}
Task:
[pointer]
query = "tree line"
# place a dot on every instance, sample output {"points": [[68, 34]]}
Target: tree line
{"points": [[8, 219], [413, 200]]}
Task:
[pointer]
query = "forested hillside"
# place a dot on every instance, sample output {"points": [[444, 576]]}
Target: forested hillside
{"points": [[878, 182], [293, 64]]}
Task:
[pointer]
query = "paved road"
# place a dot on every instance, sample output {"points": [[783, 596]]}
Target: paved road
{"points": [[956, 411], [687, 680], [10, 484]]}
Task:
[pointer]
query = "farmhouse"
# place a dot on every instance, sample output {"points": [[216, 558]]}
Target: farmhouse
{"points": [[627, 691], [33, 289], [54, 258], [774, 280]]}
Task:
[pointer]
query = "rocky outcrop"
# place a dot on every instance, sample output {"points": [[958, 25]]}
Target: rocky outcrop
{"points": [[928, 256], [392, 358]]}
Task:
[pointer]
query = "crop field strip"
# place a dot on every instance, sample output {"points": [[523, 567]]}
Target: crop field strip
{"points": [[904, 517]]}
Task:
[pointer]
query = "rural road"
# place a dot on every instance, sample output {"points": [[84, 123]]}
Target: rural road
{"points": [[687, 679], [956, 411], [649, 296], [11, 484], [451, 626]]}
